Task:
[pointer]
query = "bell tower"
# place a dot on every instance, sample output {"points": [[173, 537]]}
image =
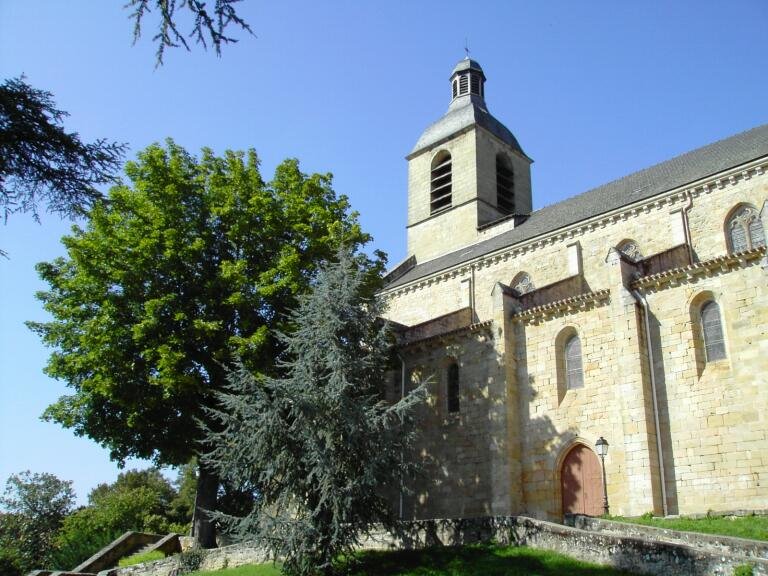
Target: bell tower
{"points": [[468, 178]]}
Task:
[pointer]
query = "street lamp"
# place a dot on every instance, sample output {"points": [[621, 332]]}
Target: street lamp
{"points": [[601, 446]]}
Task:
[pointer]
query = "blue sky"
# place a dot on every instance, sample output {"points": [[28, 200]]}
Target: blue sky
{"points": [[593, 90]]}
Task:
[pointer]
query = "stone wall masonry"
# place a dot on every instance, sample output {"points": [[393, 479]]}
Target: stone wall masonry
{"points": [[214, 559], [638, 554], [675, 257], [713, 542], [440, 325], [713, 428], [488, 147], [460, 451], [571, 286], [126, 544], [713, 419]]}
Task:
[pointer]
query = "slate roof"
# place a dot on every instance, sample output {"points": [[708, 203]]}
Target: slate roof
{"points": [[463, 112], [678, 171], [467, 64]]}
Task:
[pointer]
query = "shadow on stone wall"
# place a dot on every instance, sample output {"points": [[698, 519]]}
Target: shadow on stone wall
{"points": [[668, 455], [456, 450], [543, 445]]}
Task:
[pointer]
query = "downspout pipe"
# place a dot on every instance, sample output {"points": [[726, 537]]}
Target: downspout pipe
{"points": [[651, 369], [687, 226]]}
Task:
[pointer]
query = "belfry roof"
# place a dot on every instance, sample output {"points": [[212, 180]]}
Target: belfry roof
{"points": [[467, 64], [673, 173], [464, 112]]}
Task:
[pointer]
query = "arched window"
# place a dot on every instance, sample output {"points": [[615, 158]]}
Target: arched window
{"points": [[440, 183], [522, 284], [744, 229], [574, 375], [453, 392], [712, 331], [631, 250], [505, 185]]}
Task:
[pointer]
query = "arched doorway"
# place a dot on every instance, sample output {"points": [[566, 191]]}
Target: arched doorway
{"points": [[581, 482]]}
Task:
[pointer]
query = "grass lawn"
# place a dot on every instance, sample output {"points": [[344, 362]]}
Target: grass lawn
{"points": [[140, 558], [754, 527], [459, 561], [247, 570]]}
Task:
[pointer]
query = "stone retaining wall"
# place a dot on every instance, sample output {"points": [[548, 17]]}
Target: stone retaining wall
{"points": [[215, 559], [716, 542], [126, 544], [634, 553]]}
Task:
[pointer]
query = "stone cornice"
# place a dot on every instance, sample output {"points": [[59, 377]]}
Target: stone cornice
{"points": [[566, 305], [673, 196], [683, 274]]}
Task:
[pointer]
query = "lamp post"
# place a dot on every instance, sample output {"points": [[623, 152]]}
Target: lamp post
{"points": [[601, 446]]}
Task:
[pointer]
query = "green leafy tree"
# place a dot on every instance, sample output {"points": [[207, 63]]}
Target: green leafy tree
{"points": [[192, 264], [12, 561], [40, 162], [150, 478], [319, 445], [35, 506], [181, 507], [207, 26], [139, 500]]}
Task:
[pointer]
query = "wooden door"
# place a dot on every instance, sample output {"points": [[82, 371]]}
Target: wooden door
{"points": [[582, 482]]}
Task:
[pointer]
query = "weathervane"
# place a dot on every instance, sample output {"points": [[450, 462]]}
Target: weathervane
{"points": [[466, 47]]}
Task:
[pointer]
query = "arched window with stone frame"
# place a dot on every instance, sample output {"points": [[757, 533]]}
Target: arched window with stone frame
{"points": [[569, 362], [453, 387], [630, 249], [522, 283], [743, 229], [441, 182], [712, 331], [708, 330], [574, 372]]}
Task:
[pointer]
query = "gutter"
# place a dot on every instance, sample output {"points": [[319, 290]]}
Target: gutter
{"points": [[646, 313]]}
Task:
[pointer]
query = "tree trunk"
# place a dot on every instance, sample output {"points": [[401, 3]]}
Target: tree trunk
{"points": [[207, 487]]}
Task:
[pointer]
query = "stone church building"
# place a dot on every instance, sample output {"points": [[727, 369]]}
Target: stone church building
{"points": [[636, 312]]}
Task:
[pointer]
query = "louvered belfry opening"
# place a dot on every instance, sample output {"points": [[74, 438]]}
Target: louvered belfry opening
{"points": [[469, 83], [505, 186], [441, 183], [464, 84], [475, 84]]}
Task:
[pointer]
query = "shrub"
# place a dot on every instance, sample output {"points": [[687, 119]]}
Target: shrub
{"points": [[191, 560]]}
